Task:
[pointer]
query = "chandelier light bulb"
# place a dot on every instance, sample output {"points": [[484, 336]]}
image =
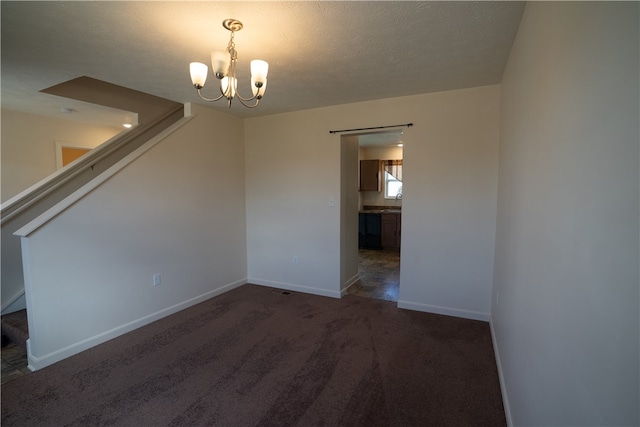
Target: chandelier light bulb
{"points": [[259, 70], [220, 61], [199, 73]]}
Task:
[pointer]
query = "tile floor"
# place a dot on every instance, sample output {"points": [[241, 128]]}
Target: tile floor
{"points": [[379, 274]]}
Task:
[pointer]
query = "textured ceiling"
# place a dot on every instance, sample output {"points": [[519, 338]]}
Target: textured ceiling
{"points": [[320, 53]]}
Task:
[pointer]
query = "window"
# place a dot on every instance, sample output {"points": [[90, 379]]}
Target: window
{"points": [[392, 179], [392, 187]]}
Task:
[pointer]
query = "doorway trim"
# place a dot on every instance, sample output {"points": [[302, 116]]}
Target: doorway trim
{"points": [[60, 145]]}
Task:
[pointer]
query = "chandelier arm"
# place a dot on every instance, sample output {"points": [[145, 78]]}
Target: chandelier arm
{"points": [[249, 106], [209, 99], [246, 99]]}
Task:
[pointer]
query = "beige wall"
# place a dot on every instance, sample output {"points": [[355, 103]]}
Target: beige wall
{"points": [[449, 204], [28, 146], [565, 310], [161, 214]]}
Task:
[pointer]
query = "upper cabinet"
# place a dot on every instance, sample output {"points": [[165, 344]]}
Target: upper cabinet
{"points": [[370, 176]]}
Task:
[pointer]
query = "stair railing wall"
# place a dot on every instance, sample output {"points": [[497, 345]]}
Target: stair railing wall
{"points": [[157, 211], [31, 203]]}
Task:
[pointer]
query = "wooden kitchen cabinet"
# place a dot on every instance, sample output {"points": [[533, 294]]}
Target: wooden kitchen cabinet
{"points": [[370, 176], [391, 228]]}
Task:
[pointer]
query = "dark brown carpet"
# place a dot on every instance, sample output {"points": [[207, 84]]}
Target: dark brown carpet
{"points": [[256, 357]]}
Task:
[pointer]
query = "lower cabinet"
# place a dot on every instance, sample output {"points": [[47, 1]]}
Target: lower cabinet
{"points": [[369, 231], [390, 230]]}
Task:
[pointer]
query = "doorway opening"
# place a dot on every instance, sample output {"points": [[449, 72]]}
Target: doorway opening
{"points": [[378, 167]]}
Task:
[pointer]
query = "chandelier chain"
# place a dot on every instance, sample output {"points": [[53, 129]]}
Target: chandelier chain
{"points": [[232, 44]]}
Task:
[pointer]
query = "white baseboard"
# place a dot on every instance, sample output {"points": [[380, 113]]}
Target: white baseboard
{"points": [[503, 387], [295, 288], [36, 363], [355, 279], [447, 311]]}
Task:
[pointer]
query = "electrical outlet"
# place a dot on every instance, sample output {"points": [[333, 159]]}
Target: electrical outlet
{"points": [[156, 279], [296, 260]]}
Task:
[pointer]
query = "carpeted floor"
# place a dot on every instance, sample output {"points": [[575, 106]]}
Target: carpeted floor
{"points": [[254, 356]]}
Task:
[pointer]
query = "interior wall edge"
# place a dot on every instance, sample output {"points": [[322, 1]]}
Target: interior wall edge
{"points": [[446, 311], [503, 384], [294, 287]]}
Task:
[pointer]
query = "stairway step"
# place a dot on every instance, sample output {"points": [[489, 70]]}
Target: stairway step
{"points": [[15, 328]]}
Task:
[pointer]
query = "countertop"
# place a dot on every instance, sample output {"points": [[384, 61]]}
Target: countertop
{"points": [[381, 211]]}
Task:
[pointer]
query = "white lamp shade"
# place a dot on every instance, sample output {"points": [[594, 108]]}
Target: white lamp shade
{"points": [[224, 84], [220, 61], [259, 70], [198, 73], [258, 91]]}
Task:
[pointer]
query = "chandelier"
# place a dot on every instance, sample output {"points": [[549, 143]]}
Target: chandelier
{"points": [[224, 68]]}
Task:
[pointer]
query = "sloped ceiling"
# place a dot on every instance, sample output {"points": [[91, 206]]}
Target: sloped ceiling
{"points": [[320, 53]]}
